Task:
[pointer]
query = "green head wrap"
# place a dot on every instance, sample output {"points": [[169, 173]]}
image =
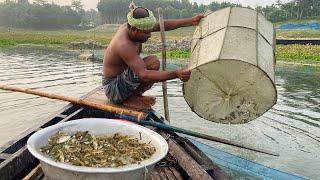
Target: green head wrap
{"points": [[145, 23]]}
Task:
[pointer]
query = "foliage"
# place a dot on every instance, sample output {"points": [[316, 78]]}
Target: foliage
{"points": [[295, 53], [62, 38], [91, 18], [298, 53], [295, 9], [298, 34], [292, 53], [114, 11], [176, 54], [42, 15], [101, 34]]}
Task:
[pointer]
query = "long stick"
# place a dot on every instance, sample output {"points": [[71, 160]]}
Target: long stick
{"points": [[137, 116], [75, 100], [166, 127], [164, 64]]}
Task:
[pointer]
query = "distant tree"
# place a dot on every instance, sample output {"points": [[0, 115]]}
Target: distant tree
{"points": [[214, 6], [92, 18], [153, 4], [113, 11], [296, 9], [202, 8], [184, 13], [259, 9], [41, 2], [170, 12], [23, 2], [41, 14], [186, 4], [76, 5], [195, 5]]}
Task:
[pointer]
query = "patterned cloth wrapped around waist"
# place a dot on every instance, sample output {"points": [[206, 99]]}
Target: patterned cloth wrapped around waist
{"points": [[121, 87]]}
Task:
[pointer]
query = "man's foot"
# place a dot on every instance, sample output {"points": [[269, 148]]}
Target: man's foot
{"points": [[139, 102], [148, 100]]}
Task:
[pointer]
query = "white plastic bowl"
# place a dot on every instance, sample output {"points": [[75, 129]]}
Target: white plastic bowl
{"points": [[97, 126]]}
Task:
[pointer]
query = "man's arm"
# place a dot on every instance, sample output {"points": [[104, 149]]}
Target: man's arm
{"points": [[136, 64], [172, 24]]}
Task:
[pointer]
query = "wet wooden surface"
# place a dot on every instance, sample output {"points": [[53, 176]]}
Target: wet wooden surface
{"points": [[99, 97]]}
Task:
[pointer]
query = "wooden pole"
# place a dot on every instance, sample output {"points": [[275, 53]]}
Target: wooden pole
{"points": [[75, 100], [194, 170], [164, 64]]}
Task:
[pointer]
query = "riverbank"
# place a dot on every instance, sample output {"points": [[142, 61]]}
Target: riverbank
{"points": [[102, 35], [298, 34], [295, 53], [178, 41], [298, 53]]}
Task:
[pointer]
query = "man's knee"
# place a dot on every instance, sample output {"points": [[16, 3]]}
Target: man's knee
{"points": [[152, 62]]}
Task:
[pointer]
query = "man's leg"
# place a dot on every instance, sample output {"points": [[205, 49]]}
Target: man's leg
{"points": [[152, 63], [137, 100]]}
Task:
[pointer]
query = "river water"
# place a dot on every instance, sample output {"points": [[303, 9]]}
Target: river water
{"points": [[290, 128]]}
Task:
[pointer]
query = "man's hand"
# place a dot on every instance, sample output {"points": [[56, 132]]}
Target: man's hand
{"points": [[196, 19], [184, 74]]}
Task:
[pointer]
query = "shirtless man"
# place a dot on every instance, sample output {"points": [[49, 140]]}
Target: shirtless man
{"points": [[125, 74]]}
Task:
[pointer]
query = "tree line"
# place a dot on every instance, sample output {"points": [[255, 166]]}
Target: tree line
{"points": [[293, 10], [114, 11], [42, 14]]}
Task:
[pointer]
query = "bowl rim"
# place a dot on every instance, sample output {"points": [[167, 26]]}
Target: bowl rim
{"points": [[84, 169]]}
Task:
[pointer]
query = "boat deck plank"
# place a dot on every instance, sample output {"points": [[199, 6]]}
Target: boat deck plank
{"points": [[159, 172], [99, 97], [194, 170], [35, 174]]}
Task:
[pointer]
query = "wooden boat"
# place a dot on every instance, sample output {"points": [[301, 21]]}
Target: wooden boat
{"points": [[187, 158]]}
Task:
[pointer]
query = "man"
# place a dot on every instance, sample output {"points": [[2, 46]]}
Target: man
{"points": [[125, 74]]}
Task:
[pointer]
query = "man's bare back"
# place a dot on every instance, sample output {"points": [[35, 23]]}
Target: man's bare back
{"points": [[113, 63]]}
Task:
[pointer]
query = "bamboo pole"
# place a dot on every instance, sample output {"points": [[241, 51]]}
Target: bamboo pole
{"points": [[164, 64], [75, 100]]}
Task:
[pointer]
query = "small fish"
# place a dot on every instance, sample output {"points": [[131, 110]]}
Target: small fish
{"points": [[63, 139], [84, 149], [60, 137]]}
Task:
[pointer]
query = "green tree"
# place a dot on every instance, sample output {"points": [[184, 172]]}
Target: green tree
{"points": [[113, 11], [76, 5], [41, 2], [40, 14], [170, 12]]}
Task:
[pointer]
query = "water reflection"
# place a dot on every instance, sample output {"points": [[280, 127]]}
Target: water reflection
{"points": [[290, 128]]}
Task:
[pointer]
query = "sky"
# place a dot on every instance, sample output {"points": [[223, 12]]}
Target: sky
{"points": [[92, 4]]}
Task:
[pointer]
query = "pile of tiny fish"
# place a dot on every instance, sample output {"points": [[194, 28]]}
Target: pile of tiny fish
{"points": [[244, 112], [84, 149]]}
